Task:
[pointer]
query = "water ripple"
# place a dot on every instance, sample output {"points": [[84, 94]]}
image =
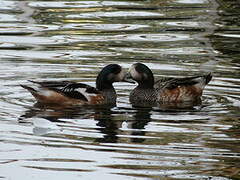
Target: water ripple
{"points": [[73, 40]]}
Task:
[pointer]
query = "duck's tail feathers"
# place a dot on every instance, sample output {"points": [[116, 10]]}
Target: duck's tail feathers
{"points": [[33, 81], [34, 90], [208, 78], [30, 89], [202, 81]]}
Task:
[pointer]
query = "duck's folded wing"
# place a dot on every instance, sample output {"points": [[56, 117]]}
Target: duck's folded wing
{"points": [[160, 83], [171, 83], [79, 91]]}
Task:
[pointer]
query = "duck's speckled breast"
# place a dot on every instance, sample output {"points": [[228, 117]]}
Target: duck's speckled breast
{"points": [[141, 95], [110, 96]]}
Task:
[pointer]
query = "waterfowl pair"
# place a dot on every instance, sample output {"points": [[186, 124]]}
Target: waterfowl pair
{"points": [[72, 93], [166, 90]]}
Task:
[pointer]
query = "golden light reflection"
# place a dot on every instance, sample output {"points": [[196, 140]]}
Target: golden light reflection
{"points": [[81, 21], [76, 32], [60, 10]]}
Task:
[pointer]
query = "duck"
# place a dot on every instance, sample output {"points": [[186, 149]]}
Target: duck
{"points": [[74, 93], [165, 90]]}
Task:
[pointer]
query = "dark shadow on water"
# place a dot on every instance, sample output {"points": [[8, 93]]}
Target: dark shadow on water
{"points": [[53, 113], [170, 107], [141, 118], [102, 114], [106, 125], [109, 121], [111, 127]]}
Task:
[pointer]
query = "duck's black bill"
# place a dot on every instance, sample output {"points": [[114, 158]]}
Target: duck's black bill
{"points": [[128, 78]]}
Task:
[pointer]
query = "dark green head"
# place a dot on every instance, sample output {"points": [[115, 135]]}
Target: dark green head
{"points": [[108, 75], [141, 74]]}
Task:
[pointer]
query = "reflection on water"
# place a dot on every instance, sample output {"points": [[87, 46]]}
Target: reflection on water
{"points": [[73, 40]]}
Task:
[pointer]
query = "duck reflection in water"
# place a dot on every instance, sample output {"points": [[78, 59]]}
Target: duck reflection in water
{"points": [[52, 113], [44, 117], [141, 118], [109, 121], [106, 125], [111, 125]]}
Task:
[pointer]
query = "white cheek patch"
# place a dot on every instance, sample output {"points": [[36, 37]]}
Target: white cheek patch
{"points": [[135, 75], [120, 76]]}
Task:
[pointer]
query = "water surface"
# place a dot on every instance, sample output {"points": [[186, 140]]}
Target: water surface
{"points": [[73, 40]]}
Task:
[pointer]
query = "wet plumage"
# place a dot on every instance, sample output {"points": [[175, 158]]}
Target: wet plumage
{"points": [[72, 93], [165, 90]]}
